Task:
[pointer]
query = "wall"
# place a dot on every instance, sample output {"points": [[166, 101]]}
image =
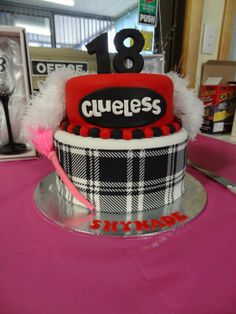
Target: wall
{"points": [[212, 13], [232, 55]]}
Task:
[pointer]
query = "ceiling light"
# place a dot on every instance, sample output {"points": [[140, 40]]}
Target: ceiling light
{"points": [[70, 3]]}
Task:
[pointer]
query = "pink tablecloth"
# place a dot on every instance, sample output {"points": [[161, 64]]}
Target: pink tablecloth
{"points": [[47, 269]]}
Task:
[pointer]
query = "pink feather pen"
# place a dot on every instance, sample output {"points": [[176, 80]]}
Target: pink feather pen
{"points": [[42, 139]]}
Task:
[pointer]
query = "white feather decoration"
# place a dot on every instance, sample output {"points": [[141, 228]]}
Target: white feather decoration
{"points": [[48, 105], [187, 106]]}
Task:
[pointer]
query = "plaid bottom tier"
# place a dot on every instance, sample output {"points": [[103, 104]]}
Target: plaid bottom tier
{"points": [[124, 181]]}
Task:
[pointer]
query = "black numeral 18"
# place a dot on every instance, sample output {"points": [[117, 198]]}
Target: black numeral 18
{"points": [[99, 46]]}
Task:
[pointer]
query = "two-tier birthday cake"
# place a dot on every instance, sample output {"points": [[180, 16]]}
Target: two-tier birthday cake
{"points": [[120, 138], [120, 143]]}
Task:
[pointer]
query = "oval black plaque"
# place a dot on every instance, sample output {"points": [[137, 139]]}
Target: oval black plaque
{"points": [[122, 107]]}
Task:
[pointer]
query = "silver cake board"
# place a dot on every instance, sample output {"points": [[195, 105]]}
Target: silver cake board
{"points": [[151, 222]]}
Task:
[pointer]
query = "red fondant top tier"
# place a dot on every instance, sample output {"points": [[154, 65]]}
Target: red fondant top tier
{"points": [[119, 101]]}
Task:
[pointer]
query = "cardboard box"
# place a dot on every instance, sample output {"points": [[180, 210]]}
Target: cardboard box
{"points": [[218, 93], [16, 65]]}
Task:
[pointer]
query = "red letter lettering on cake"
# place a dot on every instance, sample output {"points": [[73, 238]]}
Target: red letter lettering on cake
{"points": [[126, 226], [180, 217], [141, 225], [170, 221], [157, 224], [95, 224], [110, 225]]}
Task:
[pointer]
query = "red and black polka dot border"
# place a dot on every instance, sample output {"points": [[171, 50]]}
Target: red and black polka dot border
{"points": [[125, 134]]}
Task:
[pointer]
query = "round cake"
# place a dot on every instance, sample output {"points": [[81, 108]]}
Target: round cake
{"points": [[120, 143], [117, 140]]}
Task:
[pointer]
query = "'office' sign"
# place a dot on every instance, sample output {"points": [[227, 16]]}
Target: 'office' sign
{"points": [[41, 67]]}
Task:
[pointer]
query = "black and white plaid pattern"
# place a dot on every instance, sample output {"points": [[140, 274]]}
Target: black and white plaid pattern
{"points": [[119, 181]]}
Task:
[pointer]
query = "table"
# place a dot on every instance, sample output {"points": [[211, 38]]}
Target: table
{"points": [[47, 269]]}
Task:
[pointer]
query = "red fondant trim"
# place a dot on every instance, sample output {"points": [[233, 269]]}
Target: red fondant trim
{"points": [[177, 125], [70, 128], [64, 125], [127, 134], [84, 131], [165, 130], [105, 133], [148, 133]]}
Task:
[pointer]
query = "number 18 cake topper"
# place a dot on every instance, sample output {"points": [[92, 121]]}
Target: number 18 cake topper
{"points": [[99, 46]]}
